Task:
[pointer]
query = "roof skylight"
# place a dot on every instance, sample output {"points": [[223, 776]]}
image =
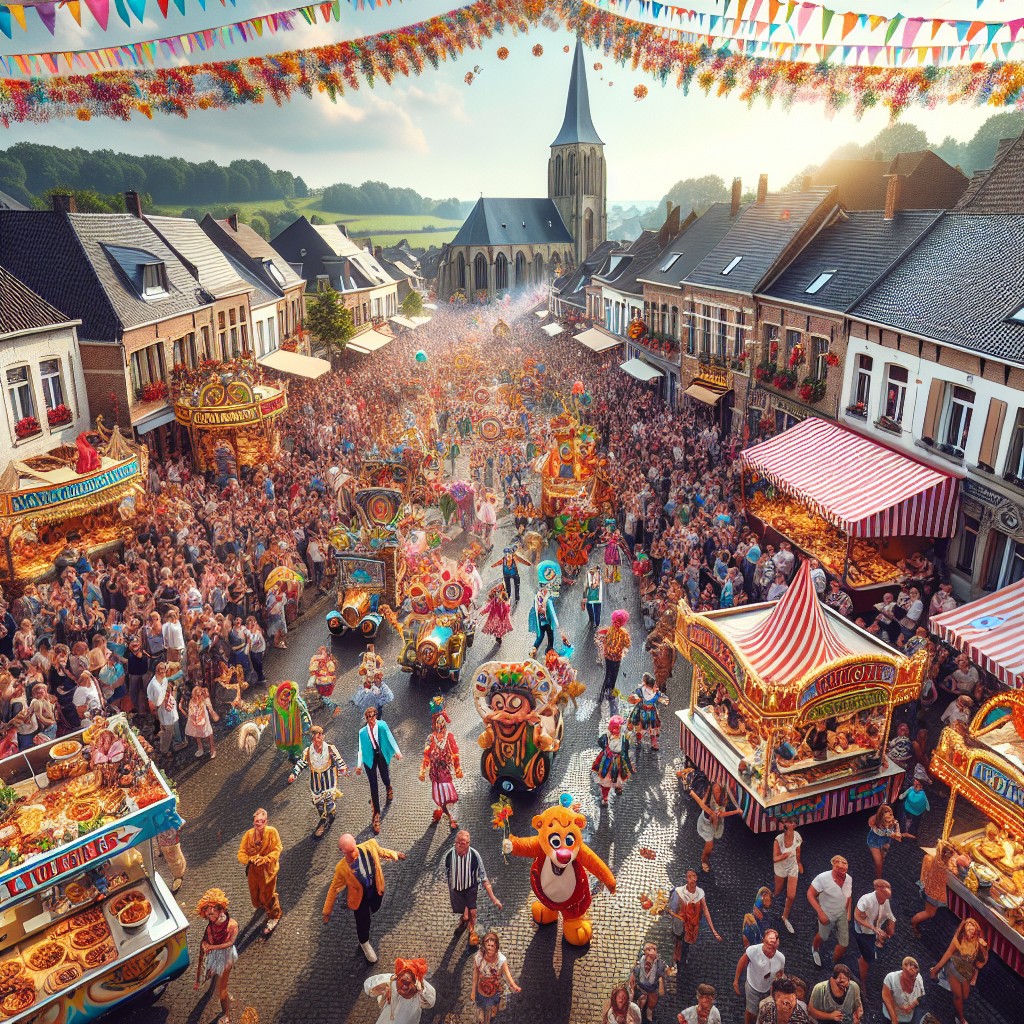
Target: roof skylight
{"points": [[732, 265]]}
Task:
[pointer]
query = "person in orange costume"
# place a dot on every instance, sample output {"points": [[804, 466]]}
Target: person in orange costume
{"points": [[260, 854]]}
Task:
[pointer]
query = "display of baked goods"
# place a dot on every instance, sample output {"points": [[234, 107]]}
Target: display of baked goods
{"points": [[63, 977], [65, 749], [18, 1001], [122, 902], [135, 914], [90, 935], [45, 956], [992, 866]]}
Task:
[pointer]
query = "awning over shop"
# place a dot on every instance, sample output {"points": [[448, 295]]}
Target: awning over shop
{"points": [[296, 364], [552, 329], [641, 370], [597, 341], [404, 322], [863, 488], [419, 321], [706, 392], [540, 313], [154, 420], [368, 341], [990, 631]]}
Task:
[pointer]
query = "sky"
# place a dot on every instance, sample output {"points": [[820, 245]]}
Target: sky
{"points": [[441, 137]]}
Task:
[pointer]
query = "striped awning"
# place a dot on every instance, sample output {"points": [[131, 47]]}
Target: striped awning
{"points": [[990, 631], [864, 488], [795, 638]]}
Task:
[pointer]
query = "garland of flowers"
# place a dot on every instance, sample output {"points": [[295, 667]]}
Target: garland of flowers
{"points": [[405, 52]]}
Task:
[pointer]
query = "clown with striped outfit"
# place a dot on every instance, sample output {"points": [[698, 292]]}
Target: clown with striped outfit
{"points": [[441, 760], [325, 764]]}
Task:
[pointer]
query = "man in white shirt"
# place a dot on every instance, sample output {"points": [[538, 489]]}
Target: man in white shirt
{"points": [[763, 963], [163, 704], [874, 924], [785, 559], [831, 894], [959, 711]]}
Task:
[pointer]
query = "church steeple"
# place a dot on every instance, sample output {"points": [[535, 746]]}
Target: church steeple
{"points": [[577, 179], [577, 126]]}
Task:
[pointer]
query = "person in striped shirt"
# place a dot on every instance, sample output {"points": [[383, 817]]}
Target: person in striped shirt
{"points": [[325, 764], [465, 872]]}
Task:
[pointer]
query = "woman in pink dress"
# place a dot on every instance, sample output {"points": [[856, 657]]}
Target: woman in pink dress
{"points": [[497, 614]]}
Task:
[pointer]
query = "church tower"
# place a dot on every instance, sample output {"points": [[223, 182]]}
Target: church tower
{"points": [[577, 179]]}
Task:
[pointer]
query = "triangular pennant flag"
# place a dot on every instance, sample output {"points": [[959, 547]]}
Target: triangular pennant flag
{"points": [[937, 23], [806, 10], [18, 13], [774, 7], [826, 20], [894, 23], [910, 30], [741, 6], [75, 7], [962, 28], [162, 4], [100, 10], [257, 23], [992, 28], [922, 54], [47, 15], [5, 22], [790, 8], [849, 24], [1015, 26], [138, 8], [122, 11], [875, 20], [975, 28], [755, 10], [180, 4], [873, 52]]}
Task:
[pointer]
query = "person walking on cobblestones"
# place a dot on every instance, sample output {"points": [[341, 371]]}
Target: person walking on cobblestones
{"points": [[620, 1009], [831, 894], [873, 925], [217, 950], [782, 1007], [325, 765], [788, 864], [404, 995], [647, 980], [360, 872], [613, 643], [441, 760], [465, 872], [704, 1010], [377, 746], [260, 854], [685, 906], [902, 992], [762, 963], [711, 821], [837, 998], [490, 971]]}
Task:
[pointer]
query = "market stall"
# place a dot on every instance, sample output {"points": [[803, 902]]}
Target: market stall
{"points": [[86, 923], [77, 500], [231, 416], [983, 765], [791, 707], [858, 507]]}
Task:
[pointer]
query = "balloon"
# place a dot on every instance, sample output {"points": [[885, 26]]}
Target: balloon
{"points": [[421, 356], [578, 388], [565, 799], [541, 368]]}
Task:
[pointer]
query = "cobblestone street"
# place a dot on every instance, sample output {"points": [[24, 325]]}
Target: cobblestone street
{"points": [[311, 972]]}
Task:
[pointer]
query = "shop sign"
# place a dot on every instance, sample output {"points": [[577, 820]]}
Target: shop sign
{"points": [[863, 673], [43, 875], [850, 703], [238, 416], [716, 648], [272, 405], [1001, 784], [981, 493], [33, 500]]}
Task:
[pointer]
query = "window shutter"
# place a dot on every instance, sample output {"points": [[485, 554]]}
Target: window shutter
{"points": [[993, 431], [932, 410]]}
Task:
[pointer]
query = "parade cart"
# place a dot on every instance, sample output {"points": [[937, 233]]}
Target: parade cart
{"points": [[856, 506], [231, 415], [983, 765], [86, 922], [571, 470], [71, 501], [364, 581], [791, 707]]}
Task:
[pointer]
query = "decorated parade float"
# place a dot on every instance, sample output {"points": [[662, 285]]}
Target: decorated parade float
{"points": [[87, 922], [791, 707], [231, 415], [983, 765], [858, 507], [70, 502]]}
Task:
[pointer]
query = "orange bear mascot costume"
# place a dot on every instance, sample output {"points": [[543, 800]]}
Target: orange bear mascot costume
{"points": [[562, 864]]}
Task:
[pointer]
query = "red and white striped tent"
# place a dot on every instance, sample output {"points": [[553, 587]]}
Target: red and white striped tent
{"points": [[990, 631], [863, 488], [795, 638]]}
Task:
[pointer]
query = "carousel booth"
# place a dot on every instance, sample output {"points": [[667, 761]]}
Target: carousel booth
{"points": [[231, 419], [856, 506], [791, 706], [983, 765], [70, 502]]}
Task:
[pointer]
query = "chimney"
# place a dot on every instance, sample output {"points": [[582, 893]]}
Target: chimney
{"points": [[233, 221], [668, 208], [378, 252], [737, 192], [63, 203], [762, 188], [892, 196], [132, 203], [343, 229]]}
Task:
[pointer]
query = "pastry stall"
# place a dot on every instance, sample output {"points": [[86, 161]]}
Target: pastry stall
{"points": [[858, 507], [791, 707], [86, 923], [983, 765]]}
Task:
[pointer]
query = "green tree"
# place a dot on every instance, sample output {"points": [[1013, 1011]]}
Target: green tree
{"points": [[412, 304], [330, 321], [260, 226], [87, 200]]}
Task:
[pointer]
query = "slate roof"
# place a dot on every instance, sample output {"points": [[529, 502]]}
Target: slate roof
{"points": [[22, 310], [513, 222], [210, 266], [252, 250], [577, 125], [858, 249], [571, 287], [636, 258], [10, 203], [693, 244], [69, 259], [958, 285], [1001, 190], [929, 183], [343, 246], [759, 236], [260, 294]]}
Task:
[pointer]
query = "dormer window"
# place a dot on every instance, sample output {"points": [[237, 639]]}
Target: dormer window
{"points": [[732, 265], [819, 282], [154, 279], [669, 261], [273, 273]]}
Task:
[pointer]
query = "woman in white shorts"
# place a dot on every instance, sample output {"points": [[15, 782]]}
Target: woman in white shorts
{"points": [[788, 865], [711, 820]]}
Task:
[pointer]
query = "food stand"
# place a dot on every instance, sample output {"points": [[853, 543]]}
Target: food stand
{"points": [[856, 506], [231, 415], [85, 493], [86, 923], [983, 765], [791, 706]]}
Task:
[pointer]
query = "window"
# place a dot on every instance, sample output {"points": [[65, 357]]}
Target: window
{"points": [[1006, 561], [154, 279], [670, 261], [957, 419], [19, 390], [147, 366], [969, 529], [205, 332], [737, 342], [260, 344], [273, 273], [674, 322], [771, 337], [49, 377], [1018, 316], [691, 335], [793, 338], [731, 265], [819, 282], [1014, 469], [819, 358], [895, 393], [705, 333], [721, 331], [862, 381]]}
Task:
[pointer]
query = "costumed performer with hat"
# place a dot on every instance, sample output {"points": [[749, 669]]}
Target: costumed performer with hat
{"points": [[404, 995], [441, 759]]}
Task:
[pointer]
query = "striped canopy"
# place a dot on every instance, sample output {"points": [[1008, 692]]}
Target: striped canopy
{"points": [[795, 638], [863, 488], [990, 631]]}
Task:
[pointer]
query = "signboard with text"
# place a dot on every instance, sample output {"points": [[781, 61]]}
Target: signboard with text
{"points": [[47, 497], [860, 675]]}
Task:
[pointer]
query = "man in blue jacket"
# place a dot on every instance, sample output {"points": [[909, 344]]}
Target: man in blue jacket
{"points": [[377, 746]]}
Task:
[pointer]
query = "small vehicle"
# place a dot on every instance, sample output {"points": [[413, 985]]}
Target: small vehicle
{"points": [[364, 583], [437, 633]]}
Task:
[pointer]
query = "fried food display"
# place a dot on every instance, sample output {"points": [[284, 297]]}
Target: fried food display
{"points": [[45, 956]]}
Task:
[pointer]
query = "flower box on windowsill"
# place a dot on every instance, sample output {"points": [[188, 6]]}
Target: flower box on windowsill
{"points": [[27, 427], [59, 417], [858, 411], [884, 423]]}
